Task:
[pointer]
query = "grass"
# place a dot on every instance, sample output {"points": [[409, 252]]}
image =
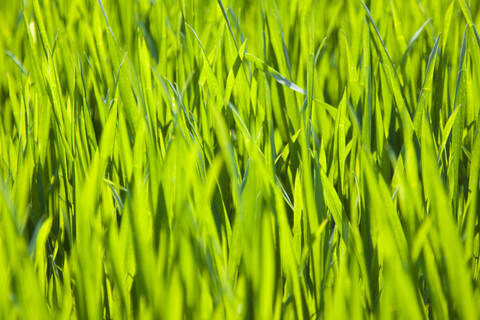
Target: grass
{"points": [[239, 159]]}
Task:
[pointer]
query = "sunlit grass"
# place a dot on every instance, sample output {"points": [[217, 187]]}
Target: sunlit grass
{"points": [[239, 159]]}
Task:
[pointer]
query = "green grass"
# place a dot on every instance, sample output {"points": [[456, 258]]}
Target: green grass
{"points": [[236, 159]]}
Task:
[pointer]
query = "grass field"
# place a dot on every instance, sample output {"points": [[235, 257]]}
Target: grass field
{"points": [[200, 159]]}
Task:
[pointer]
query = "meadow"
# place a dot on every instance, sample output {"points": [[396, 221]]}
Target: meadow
{"points": [[230, 159]]}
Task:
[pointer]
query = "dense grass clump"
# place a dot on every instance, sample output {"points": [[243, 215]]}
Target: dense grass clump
{"points": [[199, 159]]}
